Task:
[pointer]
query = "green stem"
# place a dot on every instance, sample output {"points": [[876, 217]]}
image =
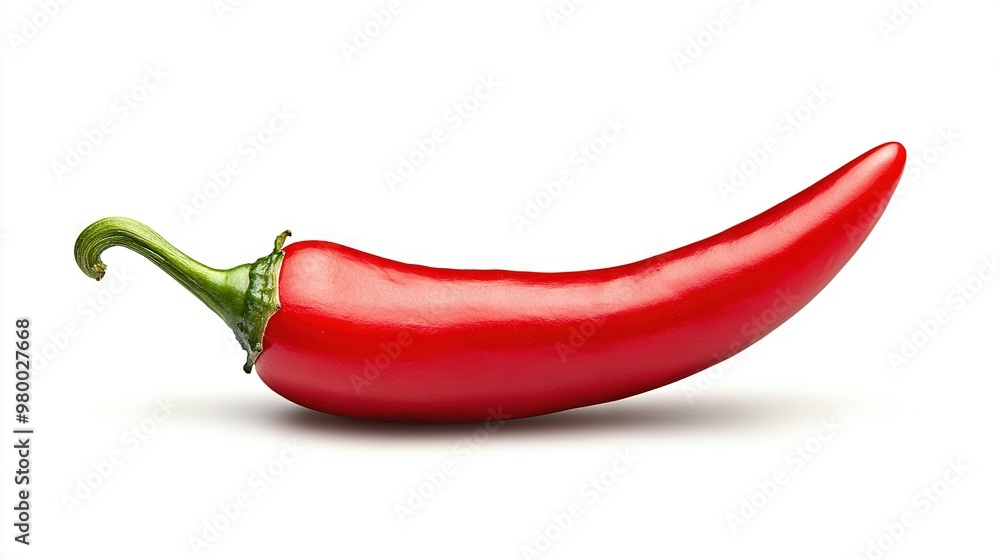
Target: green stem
{"points": [[244, 296]]}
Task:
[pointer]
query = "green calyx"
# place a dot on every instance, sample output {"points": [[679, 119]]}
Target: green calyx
{"points": [[244, 296]]}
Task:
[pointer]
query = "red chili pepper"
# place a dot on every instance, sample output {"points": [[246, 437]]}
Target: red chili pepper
{"points": [[363, 336]]}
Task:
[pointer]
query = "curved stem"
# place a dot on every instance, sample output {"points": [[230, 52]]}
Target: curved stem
{"points": [[244, 296], [220, 290]]}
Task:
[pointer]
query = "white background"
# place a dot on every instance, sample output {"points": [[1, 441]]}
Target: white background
{"points": [[701, 447]]}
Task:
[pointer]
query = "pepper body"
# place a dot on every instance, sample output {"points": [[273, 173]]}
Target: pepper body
{"points": [[345, 332], [362, 336]]}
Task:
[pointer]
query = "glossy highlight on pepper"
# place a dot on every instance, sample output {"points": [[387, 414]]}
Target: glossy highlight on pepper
{"points": [[345, 332]]}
